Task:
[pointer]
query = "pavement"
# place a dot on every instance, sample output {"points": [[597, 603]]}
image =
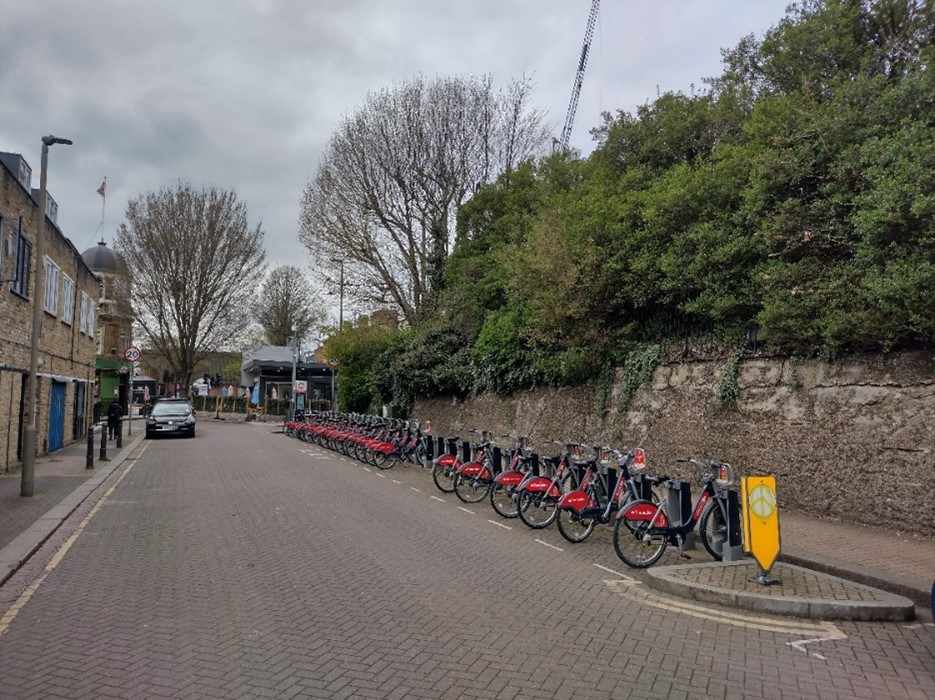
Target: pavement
{"points": [[827, 569]]}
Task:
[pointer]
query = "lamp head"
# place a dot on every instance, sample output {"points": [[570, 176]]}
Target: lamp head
{"points": [[52, 140]]}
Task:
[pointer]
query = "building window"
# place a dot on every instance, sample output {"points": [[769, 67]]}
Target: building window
{"points": [[92, 308], [52, 273], [21, 264], [68, 299], [83, 318]]}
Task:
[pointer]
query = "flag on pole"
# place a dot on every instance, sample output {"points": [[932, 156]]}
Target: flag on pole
{"points": [[103, 188]]}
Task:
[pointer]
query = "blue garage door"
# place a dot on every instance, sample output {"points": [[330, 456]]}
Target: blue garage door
{"points": [[57, 417]]}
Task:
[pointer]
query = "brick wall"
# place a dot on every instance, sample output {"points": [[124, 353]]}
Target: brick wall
{"points": [[66, 356]]}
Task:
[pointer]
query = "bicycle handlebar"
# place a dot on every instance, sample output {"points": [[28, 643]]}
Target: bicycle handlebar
{"points": [[713, 465]]}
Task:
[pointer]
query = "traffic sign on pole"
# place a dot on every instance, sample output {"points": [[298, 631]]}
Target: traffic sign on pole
{"points": [[132, 354]]}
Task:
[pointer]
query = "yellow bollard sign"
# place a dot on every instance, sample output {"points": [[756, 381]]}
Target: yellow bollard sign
{"points": [[760, 519]]}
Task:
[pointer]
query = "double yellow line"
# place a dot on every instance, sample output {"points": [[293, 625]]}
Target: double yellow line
{"points": [[7, 618], [636, 591]]}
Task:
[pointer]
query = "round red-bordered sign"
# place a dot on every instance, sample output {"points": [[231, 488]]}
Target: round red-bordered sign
{"points": [[132, 354]]}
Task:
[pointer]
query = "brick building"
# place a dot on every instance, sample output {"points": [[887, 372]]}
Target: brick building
{"points": [[67, 345], [114, 330]]}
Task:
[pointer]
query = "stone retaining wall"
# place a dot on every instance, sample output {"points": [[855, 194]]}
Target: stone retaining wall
{"points": [[853, 440]]}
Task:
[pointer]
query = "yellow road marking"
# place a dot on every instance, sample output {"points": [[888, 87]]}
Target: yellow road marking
{"points": [[640, 594], [7, 618]]}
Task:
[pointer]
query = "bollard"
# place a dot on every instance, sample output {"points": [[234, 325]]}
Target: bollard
{"points": [[103, 455], [496, 461], [119, 434], [429, 451], [610, 477], [644, 487], [680, 509], [89, 460], [733, 547]]}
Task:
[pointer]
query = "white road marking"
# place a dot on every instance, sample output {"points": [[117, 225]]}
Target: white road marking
{"points": [[466, 510], [415, 489], [552, 546], [616, 573], [382, 476], [800, 645], [397, 481], [440, 500], [505, 527]]}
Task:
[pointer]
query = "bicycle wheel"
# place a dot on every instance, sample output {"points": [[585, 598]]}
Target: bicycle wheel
{"points": [[471, 489], [383, 460], [537, 510], [444, 477], [713, 530], [573, 527], [634, 545], [502, 500]]}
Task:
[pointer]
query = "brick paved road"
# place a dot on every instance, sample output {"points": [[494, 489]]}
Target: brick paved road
{"points": [[244, 564]]}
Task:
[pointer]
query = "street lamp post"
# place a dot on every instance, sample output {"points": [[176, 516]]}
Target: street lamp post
{"points": [[27, 481], [340, 294], [294, 342], [334, 368]]}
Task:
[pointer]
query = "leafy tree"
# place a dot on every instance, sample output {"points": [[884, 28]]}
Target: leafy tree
{"points": [[355, 351], [288, 306], [386, 193], [194, 261], [796, 194]]}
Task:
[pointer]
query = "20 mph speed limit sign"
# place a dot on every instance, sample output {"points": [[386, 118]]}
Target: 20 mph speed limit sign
{"points": [[132, 354]]}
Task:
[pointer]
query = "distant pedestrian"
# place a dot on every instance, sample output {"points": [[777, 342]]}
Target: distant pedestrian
{"points": [[114, 414]]}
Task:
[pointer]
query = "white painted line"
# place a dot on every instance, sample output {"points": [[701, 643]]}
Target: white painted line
{"points": [[382, 476], [397, 481], [415, 489], [505, 527], [800, 645], [466, 510], [559, 549], [368, 469], [440, 500], [615, 573]]}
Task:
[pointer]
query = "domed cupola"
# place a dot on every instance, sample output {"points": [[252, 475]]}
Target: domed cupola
{"points": [[104, 260]]}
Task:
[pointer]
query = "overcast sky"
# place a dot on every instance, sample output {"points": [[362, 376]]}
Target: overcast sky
{"points": [[245, 94]]}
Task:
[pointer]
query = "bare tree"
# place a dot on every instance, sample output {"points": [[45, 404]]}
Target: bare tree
{"points": [[288, 306], [397, 170], [194, 263]]}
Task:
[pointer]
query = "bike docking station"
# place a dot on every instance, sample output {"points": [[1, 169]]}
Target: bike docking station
{"points": [[761, 524]]}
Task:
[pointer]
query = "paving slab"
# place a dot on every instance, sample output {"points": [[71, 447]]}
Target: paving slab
{"points": [[798, 591]]}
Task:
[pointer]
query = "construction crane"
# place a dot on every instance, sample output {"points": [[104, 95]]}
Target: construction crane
{"points": [[579, 77]]}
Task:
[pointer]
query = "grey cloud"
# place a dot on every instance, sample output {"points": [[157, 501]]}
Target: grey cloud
{"points": [[246, 94]]}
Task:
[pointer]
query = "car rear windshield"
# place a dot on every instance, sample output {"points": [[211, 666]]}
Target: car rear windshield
{"points": [[171, 409]]}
